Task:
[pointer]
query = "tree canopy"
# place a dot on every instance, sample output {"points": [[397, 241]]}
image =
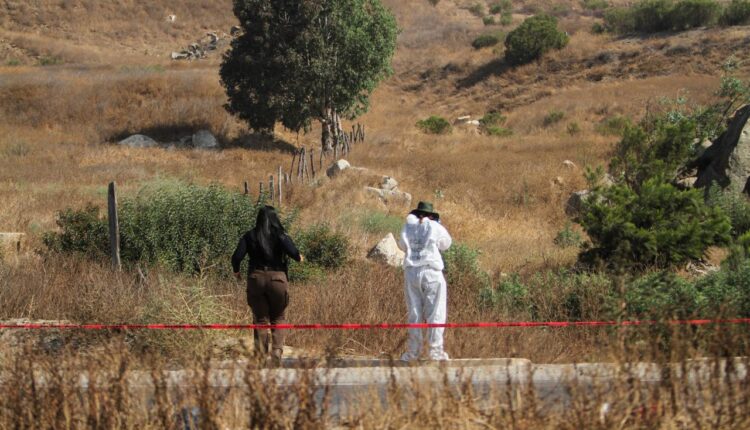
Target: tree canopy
{"points": [[304, 60]]}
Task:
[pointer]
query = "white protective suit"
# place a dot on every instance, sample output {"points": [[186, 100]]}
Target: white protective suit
{"points": [[426, 293]]}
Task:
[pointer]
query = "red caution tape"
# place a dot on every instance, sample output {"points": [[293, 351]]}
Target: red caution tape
{"points": [[553, 324]]}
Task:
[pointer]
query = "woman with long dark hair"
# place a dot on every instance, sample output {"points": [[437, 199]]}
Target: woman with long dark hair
{"points": [[269, 249]]}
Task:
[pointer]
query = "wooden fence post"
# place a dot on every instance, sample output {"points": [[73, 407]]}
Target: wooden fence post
{"points": [[271, 190], [247, 189], [294, 157], [260, 192], [114, 227], [281, 182], [312, 161]]}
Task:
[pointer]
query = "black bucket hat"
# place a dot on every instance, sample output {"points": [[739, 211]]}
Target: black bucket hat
{"points": [[425, 209]]}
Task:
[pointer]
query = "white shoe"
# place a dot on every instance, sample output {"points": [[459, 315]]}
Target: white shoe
{"points": [[439, 356]]}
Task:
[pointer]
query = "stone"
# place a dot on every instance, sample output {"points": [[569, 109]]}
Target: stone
{"points": [[389, 196], [474, 122], [574, 205], [727, 161], [138, 141], [10, 243], [182, 55], [569, 164], [559, 181], [204, 139], [387, 252], [462, 120], [337, 167], [388, 183], [171, 18]]}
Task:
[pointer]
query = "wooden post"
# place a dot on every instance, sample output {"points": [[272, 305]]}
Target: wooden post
{"points": [[260, 192], [281, 182], [271, 189], [363, 133], [300, 164], [294, 157], [312, 161], [114, 227], [247, 189]]}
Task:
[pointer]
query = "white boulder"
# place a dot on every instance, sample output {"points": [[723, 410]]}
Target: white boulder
{"points": [[387, 252], [204, 139], [337, 167], [138, 141]]}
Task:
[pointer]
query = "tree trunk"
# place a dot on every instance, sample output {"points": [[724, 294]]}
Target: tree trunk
{"points": [[331, 131]]}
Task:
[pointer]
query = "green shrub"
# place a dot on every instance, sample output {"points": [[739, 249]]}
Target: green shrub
{"points": [[485, 41], [492, 119], [532, 39], [183, 227], [498, 131], [694, 13], [736, 13], [506, 19], [50, 61], [13, 62], [504, 6], [324, 247], [435, 125], [595, 5], [598, 28], [81, 231], [736, 206], [651, 16], [462, 268], [613, 126], [489, 20], [477, 9], [573, 128], [379, 223], [619, 20], [553, 117], [656, 226], [434, 2], [568, 237], [661, 296]]}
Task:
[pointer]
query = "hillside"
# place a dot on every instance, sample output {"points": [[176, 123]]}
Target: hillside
{"points": [[77, 75]]}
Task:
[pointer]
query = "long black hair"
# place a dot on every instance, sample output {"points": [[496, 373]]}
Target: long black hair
{"points": [[267, 231]]}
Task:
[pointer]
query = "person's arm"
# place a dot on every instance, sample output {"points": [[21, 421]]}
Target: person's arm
{"points": [[444, 239], [290, 248], [239, 254]]}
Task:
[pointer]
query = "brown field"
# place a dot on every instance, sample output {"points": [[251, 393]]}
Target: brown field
{"points": [[504, 196]]}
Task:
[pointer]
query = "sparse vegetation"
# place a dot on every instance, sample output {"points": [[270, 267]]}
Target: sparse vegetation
{"points": [[477, 9], [324, 247], [489, 20], [501, 7], [737, 12], [534, 37], [568, 237], [573, 128], [595, 5], [553, 117], [613, 125], [651, 16], [506, 19], [435, 125]]}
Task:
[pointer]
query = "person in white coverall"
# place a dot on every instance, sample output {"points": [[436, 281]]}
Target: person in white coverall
{"points": [[422, 239]]}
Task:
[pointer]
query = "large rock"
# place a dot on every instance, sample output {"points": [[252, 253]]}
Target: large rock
{"points": [[139, 141], [337, 167], [204, 139], [388, 183], [387, 252], [727, 161], [389, 196]]}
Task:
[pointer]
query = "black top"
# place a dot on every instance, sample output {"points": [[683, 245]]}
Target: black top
{"points": [[248, 245]]}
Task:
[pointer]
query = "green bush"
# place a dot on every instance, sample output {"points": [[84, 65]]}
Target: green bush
{"points": [[568, 237], [489, 20], [595, 5], [380, 223], [492, 119], [434, 2], [598, 28], [553, 117], [573, 128], [694, 13], [435, 125], [656, 226], [736, 13], [506, 19], [477, 9], [619, 20], [498, 131], [651, 16], [183, 227], [50, 61], [13, 62], [532, 39], [462, 268], [736, 206], [504, 6], [485, 41], [613, 126], [324, 247]]}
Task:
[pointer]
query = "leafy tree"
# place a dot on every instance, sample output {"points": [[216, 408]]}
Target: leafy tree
{"points": [[534, 37], [303, 60]]}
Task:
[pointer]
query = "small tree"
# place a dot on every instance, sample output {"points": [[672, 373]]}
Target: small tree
{"points": [[534, 37], [304, 60]]}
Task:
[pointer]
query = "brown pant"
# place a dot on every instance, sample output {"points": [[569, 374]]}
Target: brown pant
{"points": [[267, 296]]}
